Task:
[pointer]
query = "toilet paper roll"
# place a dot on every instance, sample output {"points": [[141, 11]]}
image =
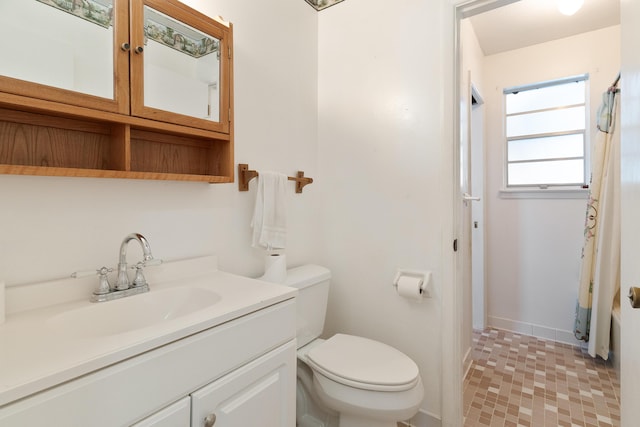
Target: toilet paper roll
{"points": [[410, 287], [275, 268]]}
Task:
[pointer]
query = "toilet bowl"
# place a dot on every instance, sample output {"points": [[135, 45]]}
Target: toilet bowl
{"points": [[347, 380]]}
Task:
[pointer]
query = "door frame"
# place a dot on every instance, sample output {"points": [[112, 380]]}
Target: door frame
{"points": [[452, 311]]}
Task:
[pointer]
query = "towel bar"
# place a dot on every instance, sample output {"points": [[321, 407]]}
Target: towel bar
{"points": [[245, 175]]}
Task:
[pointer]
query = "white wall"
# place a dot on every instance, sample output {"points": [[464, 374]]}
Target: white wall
{"points": [[50, 227], [534, 245], [381, 110]]}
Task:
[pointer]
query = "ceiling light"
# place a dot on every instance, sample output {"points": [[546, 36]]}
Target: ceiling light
{"points": [[569, 7]]}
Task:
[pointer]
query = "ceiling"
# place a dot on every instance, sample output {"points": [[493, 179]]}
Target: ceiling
{"points": [[528, 22]]}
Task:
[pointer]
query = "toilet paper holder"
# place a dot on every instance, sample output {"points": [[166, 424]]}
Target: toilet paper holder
{"points": [[424, 276]]}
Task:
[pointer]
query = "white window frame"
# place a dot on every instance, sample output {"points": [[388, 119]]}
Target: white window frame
{"points": [[567, 190]]}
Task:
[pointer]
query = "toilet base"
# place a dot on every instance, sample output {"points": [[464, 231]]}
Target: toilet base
{"points": [[347, 420], [309, 411], [364, 408], [308, 421]]}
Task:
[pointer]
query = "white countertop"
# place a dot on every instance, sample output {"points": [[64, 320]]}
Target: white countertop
{"points": [[35, 354]]}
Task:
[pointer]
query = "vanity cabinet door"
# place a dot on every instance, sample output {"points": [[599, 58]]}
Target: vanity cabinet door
{"points": [[261, 393], [180, 65], [175, 415], [66, 51]]}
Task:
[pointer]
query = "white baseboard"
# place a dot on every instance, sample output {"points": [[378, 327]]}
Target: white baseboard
{"points": [[466, 363], [424, 419], [558, 335]]}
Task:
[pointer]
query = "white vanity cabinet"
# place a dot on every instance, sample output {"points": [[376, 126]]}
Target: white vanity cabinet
{"points": [[177, 414], [242, 371], [261, 393]]}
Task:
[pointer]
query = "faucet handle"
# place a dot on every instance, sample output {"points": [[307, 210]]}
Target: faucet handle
{"points": [[139, 279], [87, 273], [141, 264], [103, 286]]}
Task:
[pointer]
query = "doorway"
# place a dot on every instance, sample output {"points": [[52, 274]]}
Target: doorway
{"points": [[463, 11]]}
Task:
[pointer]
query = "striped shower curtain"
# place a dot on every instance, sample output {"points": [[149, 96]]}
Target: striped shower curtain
{"points": [[600, 272]]}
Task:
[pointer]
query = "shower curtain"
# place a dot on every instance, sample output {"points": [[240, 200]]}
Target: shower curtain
{"points": [[600, 272]]}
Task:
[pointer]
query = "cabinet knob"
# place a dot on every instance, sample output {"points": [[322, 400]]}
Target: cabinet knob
{"points": [[125, 46], [210, 420], [139, 49]]}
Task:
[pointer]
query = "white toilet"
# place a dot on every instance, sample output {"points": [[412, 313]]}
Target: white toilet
{"points": [[346, 381]]}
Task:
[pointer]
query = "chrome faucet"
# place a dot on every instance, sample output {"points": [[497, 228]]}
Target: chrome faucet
{"points": [[123, 286], [123, 279]]}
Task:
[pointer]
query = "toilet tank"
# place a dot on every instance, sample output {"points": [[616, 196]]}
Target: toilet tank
{"points": [[312, 282]]}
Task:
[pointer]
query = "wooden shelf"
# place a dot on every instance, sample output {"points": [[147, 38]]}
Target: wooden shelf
{"points": [[63, 142], [93, 173], [161, 153]]}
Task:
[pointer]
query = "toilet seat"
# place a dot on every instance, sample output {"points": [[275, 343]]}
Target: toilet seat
{"points": [[363, 363]]}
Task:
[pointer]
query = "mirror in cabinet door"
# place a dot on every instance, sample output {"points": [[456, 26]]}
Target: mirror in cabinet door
{"points": [[180, 65], [66, 51]]}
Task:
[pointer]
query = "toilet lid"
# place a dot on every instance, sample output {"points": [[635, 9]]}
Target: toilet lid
{"points": [[363, 363]]}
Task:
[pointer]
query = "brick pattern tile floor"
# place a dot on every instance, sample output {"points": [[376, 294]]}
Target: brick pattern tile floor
{"points": [[521, 381]]}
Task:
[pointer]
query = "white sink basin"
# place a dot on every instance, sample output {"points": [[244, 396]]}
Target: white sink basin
{"points": [[133, 312], [78, 337]]}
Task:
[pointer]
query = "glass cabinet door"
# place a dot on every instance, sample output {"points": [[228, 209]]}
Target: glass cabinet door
{"points": [[180, 65], [66, 51]]}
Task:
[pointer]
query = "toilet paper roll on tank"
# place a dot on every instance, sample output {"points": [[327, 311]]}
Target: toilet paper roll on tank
{"points": [[275, 268], [413, 284]]}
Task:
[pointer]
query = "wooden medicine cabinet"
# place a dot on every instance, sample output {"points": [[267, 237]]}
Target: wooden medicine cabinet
{"points": [[115, 88]]}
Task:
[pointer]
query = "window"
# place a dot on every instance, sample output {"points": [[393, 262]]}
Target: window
{"points": [[545, 126]]}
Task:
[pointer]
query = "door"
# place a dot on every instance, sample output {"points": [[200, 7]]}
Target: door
{"points": [[630, 199], [477, 210], [464, 246], [180, 65], [470, 237]]}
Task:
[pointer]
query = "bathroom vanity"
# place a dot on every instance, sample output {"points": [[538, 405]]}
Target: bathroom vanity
{"points": [[202, 348]]}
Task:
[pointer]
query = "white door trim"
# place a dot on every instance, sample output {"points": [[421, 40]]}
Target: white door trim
{"points": [[452, 357]]}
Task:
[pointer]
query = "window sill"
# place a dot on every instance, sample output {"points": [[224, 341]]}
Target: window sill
{"points": [[548, 193]]}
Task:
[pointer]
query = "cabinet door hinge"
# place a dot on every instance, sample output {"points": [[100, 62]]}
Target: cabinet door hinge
{"points": [[455, 245], [229, 115], [229, 52]]}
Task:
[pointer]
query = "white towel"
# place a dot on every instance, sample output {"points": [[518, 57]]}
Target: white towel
{"points": [[270, 214]]}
